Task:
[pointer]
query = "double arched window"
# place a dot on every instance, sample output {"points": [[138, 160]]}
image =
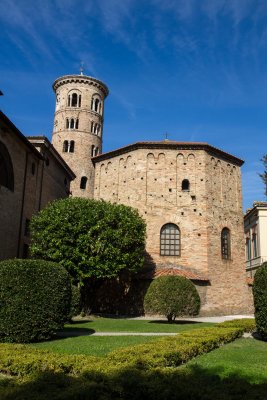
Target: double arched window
{"points": [[94, 151], [226, 244], [6, 168], [170, 240], [68, 146]]}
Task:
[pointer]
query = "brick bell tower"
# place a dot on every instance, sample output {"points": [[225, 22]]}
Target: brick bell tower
{"points": [[78, 127]]}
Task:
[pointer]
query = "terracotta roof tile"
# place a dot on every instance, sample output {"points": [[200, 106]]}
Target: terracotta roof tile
{"points": [[153, 274]]}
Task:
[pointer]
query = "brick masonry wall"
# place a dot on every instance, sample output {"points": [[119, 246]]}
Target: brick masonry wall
{"points": [[151, 181]]}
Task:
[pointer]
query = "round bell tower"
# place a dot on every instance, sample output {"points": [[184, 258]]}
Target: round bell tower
{"points": [[78, 127]]}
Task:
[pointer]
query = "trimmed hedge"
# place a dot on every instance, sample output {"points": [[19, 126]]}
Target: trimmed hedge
{"points": [[165, 352], [247, 324], [172, 296], [34, 299], [260, 300]]}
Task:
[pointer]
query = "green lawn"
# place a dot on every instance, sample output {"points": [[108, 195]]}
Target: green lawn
{"points": [[101, 345], [246, 358], [125, 325]]}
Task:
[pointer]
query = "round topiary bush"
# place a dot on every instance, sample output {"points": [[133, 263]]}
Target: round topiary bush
{"points": [[35, 299], [260, 300], [172, 296]]}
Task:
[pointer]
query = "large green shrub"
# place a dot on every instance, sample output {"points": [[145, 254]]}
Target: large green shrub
{"points": [[76, 302], [260, 300], [34, 299], [91, 239], [172, 296]]}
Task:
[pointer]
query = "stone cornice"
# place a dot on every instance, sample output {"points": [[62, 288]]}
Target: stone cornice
{"points": [[171, 145], [81, 79]]}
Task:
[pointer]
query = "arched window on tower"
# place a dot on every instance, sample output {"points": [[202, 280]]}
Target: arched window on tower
{"points": [[96, 151], [68, 146], [72, 143], [67, 123], [72, 124], [92, 151], [226, 244], [65, 146], [96, 104], [6, 168], [74, 100], [185, 185], [170, 240], [77, 123], [83, 182]]}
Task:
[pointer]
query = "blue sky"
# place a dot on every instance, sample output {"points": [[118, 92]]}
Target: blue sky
{"points": [[196, 69]]}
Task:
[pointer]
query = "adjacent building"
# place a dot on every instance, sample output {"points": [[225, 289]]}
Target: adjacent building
{"points": [[32, 174], [255, 222]]}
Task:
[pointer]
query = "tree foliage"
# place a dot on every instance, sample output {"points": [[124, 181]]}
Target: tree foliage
{"points": [[264, 175], [172, 296], [91, 239], [35, 297], [260, 300]]}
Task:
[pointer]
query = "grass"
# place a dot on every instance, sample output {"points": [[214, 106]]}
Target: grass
{"points": [[78, 337], [125, 325], [246, 358]]}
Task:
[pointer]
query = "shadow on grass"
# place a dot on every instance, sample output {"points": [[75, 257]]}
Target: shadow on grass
{"points": [[134, 384], [68, 332]]}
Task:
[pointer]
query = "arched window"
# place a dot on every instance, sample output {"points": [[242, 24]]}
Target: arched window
{"points": [[6, 168], [225, 244], [83, 182], [77, 124], [72, 143], [65, 146], [185, 185], [170, 240], [67, 123], [92, 151], [72, 123], [74, 100], [96, 151], [68, 146], [96, 104]]}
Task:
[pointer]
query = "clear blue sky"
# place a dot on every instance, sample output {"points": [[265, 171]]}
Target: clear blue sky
{"points": [[194, 68]]}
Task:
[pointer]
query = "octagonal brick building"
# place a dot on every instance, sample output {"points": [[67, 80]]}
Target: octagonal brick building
{"points": [[191, 199]]}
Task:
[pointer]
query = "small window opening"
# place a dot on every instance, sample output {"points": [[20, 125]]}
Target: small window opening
{"points": [[83, 182], [185, 185], [225, 244]]}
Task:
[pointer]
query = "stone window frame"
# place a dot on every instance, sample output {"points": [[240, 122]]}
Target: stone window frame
{"points": [[226, 243], [6, 168], [170, 240]]}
